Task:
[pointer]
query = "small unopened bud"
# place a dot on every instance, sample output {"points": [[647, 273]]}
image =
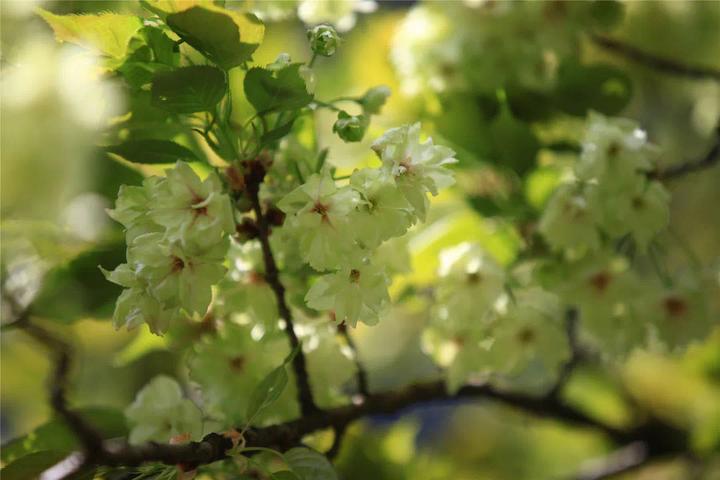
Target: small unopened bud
{"points": [[255, 171], [247, 230], [324, 40], [235, 179], [350, 128], [375, 98], [275, 216]]}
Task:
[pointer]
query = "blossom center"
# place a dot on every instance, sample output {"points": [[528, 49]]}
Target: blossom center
{"points": [[177, 264], [675, 306], [354, 276], [600, 281], [322, 210]]}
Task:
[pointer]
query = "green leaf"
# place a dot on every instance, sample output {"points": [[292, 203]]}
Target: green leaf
{"points": [[605, 14], [55, 436], [107, 33], [309, 464], [284, 475], [514, 143], [225, 37], [32, 465], [267, 392], [164, 49], [78, 289], [270, 389], [189, 89], [275, 91], [599, 87], [278, 132], [152, 151]]}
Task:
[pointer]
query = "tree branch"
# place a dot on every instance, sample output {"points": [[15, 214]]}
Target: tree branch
{"points": [[655, 62], [711, 158], [337, 442], [361, 376], [289, 434], [272, 276]]}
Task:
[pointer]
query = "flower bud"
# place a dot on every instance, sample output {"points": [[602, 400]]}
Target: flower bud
{"points": [[324, 40], [275, 216], [350, 128], [375, 98], [247, 230]]}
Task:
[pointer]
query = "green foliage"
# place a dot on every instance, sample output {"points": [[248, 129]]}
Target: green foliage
{"points": [[107, 33], [598, 87], [189, 89], [309, 464], [54, 436], [514, 142], [269, 389], [225, 37], [150, 151], [32, 465], [77, 289], [270, 91]]}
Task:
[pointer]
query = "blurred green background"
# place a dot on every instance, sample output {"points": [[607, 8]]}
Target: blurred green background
{"points": [[55, 186]]}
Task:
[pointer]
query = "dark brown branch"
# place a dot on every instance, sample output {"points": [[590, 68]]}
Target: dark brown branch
{"points": [[287, 435], [361, 375], [337, 442], [272, 276], [576, 352], [657, 436], [655, 62], [711, 158]]}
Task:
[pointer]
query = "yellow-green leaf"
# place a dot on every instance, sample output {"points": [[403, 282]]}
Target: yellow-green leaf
{"points": [[107, 33]]}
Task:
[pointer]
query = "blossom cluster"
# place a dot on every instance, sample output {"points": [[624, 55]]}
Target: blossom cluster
{"points": [[177, 238], [455, 46], [480, 327], [611, 193], [338, 228]]}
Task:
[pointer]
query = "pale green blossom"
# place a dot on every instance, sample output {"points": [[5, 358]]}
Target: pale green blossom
{"points": [[357, 293], [160, 412], [418, 168], [384, 212], [191, 209], [318, 212]]}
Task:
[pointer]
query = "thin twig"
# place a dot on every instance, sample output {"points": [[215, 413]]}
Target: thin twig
{"points": [[655, 62], [711, 158], [272, 276], [337, 442], [89, 438], [361, 375], [576, 352]]}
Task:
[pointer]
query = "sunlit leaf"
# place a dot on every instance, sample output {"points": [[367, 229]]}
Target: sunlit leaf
{"points": [[107, 33]]}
